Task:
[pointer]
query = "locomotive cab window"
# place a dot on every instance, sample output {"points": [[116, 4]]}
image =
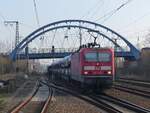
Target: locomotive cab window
{"points": [[104, 57], [92, 56], [97, 57]]}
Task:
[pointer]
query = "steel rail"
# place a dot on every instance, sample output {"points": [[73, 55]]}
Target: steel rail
{"points": [[123, 103], [28, 100], [24, 103], [136, 82], [132, 90], [47, 102], [91, 100], [98, 99]]}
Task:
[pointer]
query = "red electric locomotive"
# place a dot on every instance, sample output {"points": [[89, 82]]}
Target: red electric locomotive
{"points": [[88, 66]]}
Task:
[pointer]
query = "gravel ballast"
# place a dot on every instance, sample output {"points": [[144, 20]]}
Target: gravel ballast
{"points": [[65, 103], [138, 100]]}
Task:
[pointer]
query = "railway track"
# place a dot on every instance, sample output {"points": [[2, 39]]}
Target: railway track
{"points": [[97, 103], [123, 103], [132, 90], [23, 104], [135, 82], [47, 102], [101, 101]]}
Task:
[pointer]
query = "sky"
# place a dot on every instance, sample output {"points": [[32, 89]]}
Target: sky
{"points": [[131, 21]]}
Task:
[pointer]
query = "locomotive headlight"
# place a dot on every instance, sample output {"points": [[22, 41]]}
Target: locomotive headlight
{"points": [[109, 72], [85, 72]]}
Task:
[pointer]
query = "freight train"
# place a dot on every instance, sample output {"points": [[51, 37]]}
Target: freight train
{"points": [[87, 66]]}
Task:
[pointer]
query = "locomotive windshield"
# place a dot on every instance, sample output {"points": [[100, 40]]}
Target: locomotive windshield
{"points": [[97, 57], [92, 56], [103, 57]]}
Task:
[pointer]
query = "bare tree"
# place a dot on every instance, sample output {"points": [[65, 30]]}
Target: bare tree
{"points": [[5, 47], [147, 40]]}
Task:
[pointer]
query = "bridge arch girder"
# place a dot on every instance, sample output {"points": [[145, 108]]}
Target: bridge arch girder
{"points": [[70, 26], [75, 24]]}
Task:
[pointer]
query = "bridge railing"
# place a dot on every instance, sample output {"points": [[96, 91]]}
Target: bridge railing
{"points": [[49, 50], [58, 50]]}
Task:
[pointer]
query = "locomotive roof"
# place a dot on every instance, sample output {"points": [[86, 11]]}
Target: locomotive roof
{"points": [[65, 59], [96, 48]]}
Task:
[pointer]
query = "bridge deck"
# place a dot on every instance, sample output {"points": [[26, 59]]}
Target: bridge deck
{"points": [[61, 55]]}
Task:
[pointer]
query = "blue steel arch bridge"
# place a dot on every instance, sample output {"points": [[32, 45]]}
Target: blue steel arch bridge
{"points": [[64, 37]]}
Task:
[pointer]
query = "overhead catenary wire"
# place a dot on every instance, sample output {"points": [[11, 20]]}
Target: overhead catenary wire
{"points": [[4, 19], [36, 13], [8, 28], [137, 19], [97, 9], [2, 16], [112, 12], [26, 25], [95, 6], [37, 20], [11, 43], [54, 35]]}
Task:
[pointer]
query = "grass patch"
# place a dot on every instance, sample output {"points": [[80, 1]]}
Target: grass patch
{"points": [[2, 105], [3, 98]]}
